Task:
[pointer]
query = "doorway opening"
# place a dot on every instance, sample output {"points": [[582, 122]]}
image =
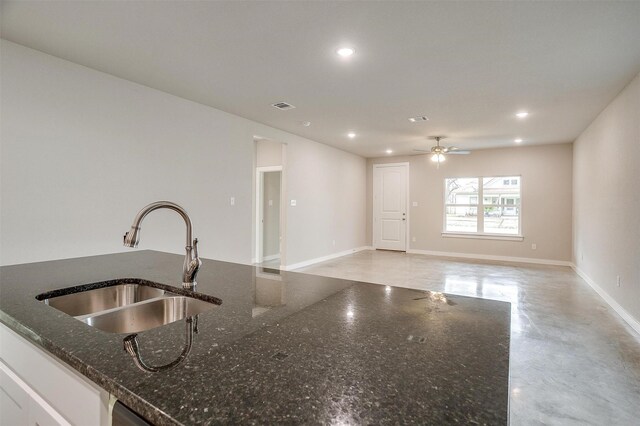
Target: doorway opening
{"points": [[269, 204], [269, 181]]}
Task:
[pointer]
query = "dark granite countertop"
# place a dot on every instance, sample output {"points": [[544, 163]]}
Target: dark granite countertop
{"points": [[282, 347]]}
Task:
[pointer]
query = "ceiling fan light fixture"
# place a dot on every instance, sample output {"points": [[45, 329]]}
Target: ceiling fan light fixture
{"points": [[438, 158]]}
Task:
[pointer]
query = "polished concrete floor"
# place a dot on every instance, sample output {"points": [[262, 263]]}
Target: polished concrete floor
{"points": [[573, 360]]}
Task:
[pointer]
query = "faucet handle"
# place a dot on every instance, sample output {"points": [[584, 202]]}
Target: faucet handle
{"points": [[191, 268], [195, 248]]}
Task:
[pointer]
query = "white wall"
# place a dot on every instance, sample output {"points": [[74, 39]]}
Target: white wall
{"points": [[330, 191], [268, 153], [546, 200], [83, 151], [606, 201]]}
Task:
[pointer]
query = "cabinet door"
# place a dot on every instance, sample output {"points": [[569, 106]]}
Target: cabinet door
{"points": [[64, 394], [14, 402], [22, 406], [42, 415]]}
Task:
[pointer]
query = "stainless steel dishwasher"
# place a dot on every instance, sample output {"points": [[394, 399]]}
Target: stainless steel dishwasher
{"points": [[121, 415]]}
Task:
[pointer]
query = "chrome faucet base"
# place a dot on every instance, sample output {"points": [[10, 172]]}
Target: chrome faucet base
{"points": [[190, 286]]}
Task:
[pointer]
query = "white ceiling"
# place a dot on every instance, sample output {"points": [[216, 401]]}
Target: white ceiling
{"points": [[468, 66]]}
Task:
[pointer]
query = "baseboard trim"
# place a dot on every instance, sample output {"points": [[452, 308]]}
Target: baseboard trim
{"points": [[626, 316], [272, 257], [324, 258], [492, 257]]}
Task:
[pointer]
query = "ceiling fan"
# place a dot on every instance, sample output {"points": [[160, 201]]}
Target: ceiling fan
{"points": [[440, 152]]}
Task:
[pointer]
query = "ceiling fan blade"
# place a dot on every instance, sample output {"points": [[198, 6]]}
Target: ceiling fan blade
{"points": [[460, 152], [422, 150]]}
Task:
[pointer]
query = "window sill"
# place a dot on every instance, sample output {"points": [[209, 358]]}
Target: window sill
{"points": [[483, 236]]}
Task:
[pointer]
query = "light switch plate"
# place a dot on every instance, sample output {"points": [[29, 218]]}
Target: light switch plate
{"points": [[233, 201], [414, 204], [293, 203]]}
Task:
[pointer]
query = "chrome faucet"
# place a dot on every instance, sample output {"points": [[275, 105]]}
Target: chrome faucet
{"points": [[191, 261]]}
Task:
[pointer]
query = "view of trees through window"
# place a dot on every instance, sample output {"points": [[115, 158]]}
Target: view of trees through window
{"points": [[498, 198]]}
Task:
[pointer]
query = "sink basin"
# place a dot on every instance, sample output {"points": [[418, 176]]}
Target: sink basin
{"points": [[130, 307], [149, 314], [101, 299]]}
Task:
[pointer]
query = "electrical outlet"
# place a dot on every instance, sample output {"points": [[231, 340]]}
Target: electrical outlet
{"points": [[534, 246], [233, 201], [293, 203], [414, 204], [618, 280]]}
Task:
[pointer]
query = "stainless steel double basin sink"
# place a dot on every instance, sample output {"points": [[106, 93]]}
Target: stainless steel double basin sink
{"points": [[128, 307]]}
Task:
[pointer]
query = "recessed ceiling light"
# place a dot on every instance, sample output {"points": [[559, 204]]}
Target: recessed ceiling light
{"points": [[517, 140], [345, 52], [389, 151], [522, 114], [306, 123], [351, 135]]}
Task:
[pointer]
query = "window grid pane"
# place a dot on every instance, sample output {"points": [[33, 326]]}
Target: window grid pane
{"points": [[498, 199], [461, 219], [462, 190]]}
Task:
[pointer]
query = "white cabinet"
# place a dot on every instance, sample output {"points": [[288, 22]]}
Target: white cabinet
{"points": [[13, 401], [37, 389], [21, 405]]}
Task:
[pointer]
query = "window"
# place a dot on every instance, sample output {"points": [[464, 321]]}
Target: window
{"points": [[500, 206], [461, 209]]}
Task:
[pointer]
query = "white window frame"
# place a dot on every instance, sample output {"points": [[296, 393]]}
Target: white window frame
{"points": [[480, 209]]}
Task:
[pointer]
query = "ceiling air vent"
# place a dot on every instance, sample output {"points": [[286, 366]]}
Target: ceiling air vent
{"points": [[419, 118], [283, 106]]}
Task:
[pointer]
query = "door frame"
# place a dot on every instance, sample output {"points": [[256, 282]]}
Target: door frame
{"points": [[260, 171], [406, 165]]}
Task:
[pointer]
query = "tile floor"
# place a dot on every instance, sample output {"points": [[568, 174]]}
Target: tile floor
{"points": [[573, 360]]}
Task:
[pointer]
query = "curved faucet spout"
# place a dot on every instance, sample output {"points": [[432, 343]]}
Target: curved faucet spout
{"points": [[132, 347], [191, 261]]}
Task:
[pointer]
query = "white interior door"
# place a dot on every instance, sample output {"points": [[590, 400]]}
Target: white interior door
{"points": [[390, 206]]}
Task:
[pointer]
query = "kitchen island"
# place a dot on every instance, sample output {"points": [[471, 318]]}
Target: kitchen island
{"points": [[282, 347]]}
